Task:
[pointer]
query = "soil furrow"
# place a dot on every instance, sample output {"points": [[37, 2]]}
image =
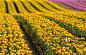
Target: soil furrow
{"points": [[6, 7], [16, 7], [34, 46]]}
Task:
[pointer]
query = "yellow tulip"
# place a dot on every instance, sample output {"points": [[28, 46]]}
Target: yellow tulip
{"points": [[70, 53], [53, 48], [2, 53], [73, 43], [28, 48], [57, 44], [13, 50], [63, 50], [48, 41], [67, 47], [8, 54], [6, 44], [58, 47], [54, 44], [10, 49], [63, 47], [28, 52], [84, 50], [3, 44], [66, 52], [74, 53], [48, 44], [62, 53], [59, 51], [16, 35]]}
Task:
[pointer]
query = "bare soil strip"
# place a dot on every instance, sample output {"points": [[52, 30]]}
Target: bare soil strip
{"points": [[6, 8], [16, 8], [35, 47]]}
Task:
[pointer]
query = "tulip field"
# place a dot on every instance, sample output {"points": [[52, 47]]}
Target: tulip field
{"points": [[58, 26]]}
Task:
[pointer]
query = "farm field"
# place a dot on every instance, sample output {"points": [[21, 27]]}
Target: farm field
{"points": [[42, 27]]}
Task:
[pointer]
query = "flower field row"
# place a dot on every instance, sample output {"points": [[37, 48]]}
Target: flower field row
{"points": [[78, 25], [73, 5], [77, 4], [72, 13], [11, 7], [29, 7], [81, 3], [49, 23], [52, 34], [20, 7], [11, 41], [62, 12], [2, 6]]}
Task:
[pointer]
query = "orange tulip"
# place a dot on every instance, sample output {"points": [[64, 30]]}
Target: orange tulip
{"points": [[10, 49]]}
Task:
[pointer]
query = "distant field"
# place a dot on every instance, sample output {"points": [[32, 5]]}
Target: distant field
{"points": [[42, 27]]}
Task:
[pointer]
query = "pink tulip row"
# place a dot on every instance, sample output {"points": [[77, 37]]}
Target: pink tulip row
{"points": [[70, 8], [81, 5], [82, 2], [62, 0], [75, 6]]}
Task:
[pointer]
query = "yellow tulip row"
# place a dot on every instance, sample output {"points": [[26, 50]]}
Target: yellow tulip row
{"points": [[11, 37], [31, 8], [2, 6], [39, 6], [67, 12], [61, 8], [20, 7], [64, 9], [35, 0], [57, 6], [45, 39], [50, 28], [72, 13], [77, 14], [11, 7], [73, 21], [48, 6]]}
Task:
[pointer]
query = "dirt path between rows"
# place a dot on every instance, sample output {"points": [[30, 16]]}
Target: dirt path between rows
{"points": [[27, 42], [34, 46]]}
